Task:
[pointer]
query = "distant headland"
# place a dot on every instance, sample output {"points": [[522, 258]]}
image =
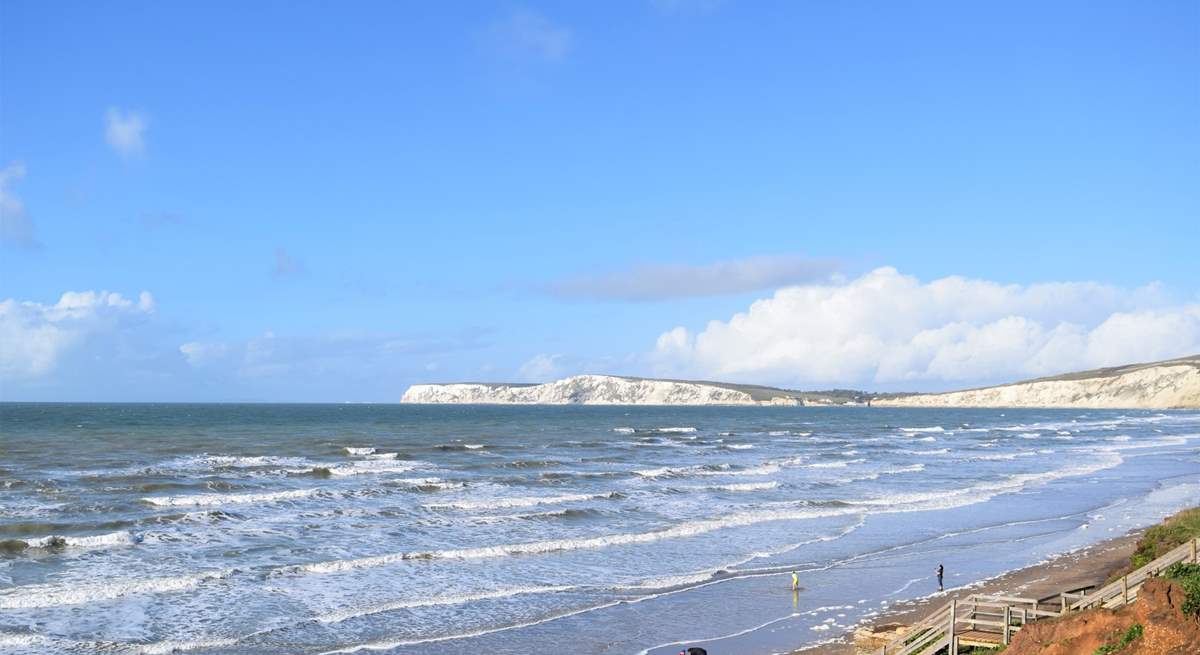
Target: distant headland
{"points": [[1165, 384]]}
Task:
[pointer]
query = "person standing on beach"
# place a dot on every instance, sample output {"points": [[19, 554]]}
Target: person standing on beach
{"points": [[940, 571], [795, 582]]}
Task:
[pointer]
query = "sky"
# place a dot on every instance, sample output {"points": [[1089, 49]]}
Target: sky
{"points": [[327, 202]]}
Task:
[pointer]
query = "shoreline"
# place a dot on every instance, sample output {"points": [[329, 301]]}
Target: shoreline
{"points": [[1090, 565]]}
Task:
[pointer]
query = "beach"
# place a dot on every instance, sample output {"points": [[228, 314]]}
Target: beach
{"points": [[1088, 566]]}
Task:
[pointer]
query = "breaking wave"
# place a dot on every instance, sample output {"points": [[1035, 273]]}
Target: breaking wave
{"points": [[198, 500], [507, 503], [451, 599]]}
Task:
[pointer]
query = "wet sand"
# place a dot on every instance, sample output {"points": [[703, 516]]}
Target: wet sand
{"points": [[1089, 566]]}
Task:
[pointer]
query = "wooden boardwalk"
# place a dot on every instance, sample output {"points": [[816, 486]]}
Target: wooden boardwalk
{"points": [[990, 620]]}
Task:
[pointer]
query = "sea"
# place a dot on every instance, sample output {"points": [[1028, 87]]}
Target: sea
{"points": [[416, 529]]}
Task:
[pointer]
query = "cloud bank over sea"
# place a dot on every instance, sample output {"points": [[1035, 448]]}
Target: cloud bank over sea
{"points": [[888, 328]]}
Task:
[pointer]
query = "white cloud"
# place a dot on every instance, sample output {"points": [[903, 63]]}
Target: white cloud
{"points": [[16, 228], [34, 337], [124, 132], [665, 281], [541, 368], [526, 32], [891, 329], [199, 353]]}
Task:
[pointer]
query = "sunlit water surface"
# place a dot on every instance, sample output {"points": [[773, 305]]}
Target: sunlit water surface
{"points": [[420, 529]]}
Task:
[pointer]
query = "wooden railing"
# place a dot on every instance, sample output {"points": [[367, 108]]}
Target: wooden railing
{"points": [[983, 618], [1124, 591]]}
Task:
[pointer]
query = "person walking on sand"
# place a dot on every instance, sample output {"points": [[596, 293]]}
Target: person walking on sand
{"points": [[940, 571], [795, 582]]}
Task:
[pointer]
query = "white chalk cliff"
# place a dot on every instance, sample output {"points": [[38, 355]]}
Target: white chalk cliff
{"points": [[1158, 385], [592, 390]]}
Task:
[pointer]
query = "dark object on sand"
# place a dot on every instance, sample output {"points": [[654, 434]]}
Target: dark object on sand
{"points": [[696, 651]]}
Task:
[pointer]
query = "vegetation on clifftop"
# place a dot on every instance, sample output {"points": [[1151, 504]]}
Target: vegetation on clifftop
{"points": [[1187, 575], [1160, 539]]}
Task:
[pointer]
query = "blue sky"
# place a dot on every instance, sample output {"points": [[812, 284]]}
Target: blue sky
{"points": [[330, 202]]}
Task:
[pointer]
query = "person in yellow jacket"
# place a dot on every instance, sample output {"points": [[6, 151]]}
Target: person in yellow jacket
{"points": [[795, 582]]}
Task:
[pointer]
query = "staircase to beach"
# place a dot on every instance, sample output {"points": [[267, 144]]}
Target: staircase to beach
{"points": [[990, 620]]}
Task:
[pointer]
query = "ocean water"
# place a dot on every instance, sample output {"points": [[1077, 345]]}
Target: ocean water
{"points": [[454, 529]]}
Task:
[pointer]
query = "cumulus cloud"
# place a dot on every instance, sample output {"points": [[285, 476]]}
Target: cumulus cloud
{"points": [[16, 228], [124, 130], [34, 337], [101, 345], [665, 281], [886, 328], [526, 33]]}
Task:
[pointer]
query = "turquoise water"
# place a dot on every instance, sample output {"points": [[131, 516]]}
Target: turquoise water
{"points": [[421, 529]]}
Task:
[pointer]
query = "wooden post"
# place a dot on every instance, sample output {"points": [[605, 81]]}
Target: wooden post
{"points": [[1194, 549], [953, 618], [1007, 621], [1125, 588], [1063, 598]]}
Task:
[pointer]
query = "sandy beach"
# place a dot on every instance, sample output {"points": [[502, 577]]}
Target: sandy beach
{"points": [[1084, 567]]}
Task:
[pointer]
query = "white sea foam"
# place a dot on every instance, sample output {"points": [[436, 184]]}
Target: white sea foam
{"points": [[451, 599], [228, 461], [740, 446], [74, 593], [43, 644], [1000, 457], [679, 471], [110, 540], [912, 468], [624, 430], [762, 469], [506, 503], [168, 647], [676, 430], [369, 466], [427, 482], [682, 530], [671, 581], [228, 499], [835, 465], [366, 450], [935, 428], [745, 486], [473, 446]]}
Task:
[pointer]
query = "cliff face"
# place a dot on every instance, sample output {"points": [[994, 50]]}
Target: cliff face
{"points": [[582, 389], [1160, 385]]}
